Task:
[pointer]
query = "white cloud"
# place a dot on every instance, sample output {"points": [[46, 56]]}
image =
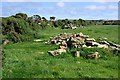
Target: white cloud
{"points": [[104, 1], [112, 7], [14, 0], [60, 0], [94, 7], [73, 12], [61, 4]]}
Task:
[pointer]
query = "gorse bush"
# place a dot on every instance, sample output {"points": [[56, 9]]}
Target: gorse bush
{"points": [[18, 29]]}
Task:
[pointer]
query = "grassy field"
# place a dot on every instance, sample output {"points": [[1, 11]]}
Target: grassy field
{"points": [[31, 60]]}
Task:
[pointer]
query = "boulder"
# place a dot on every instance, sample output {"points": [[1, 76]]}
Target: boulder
{"points": [[37, 40], [74, 45], [69, 43], [63, 43], [116, 45], [58, 43], [57, 52], [88, 43], [115, 49], [86, 36], [95, 44], [5, 42], [104, 42], [63, 47], [59, 40], [80, 40], [111, 43], [61, 50], [103, 46], [90, 39], [74, 35], [103, 38], [112, 48], [53, 41], [81, 34], [93, 56], [73, 39], [77, 54], [74, 27], [89, 47], [46, 42], [84, 45], [54, 53]]}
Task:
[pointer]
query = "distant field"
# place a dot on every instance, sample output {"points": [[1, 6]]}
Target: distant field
{"points": [[95, 31], [31, 60]]}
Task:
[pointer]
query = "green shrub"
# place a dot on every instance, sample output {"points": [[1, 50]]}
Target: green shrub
{"points": [[18, 29]]}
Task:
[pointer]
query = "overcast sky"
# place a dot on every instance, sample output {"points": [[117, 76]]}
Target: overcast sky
{"points": [[63, 10]]}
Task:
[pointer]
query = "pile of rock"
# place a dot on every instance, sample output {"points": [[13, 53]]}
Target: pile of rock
{"points": [[78, 40], [71, 26]]}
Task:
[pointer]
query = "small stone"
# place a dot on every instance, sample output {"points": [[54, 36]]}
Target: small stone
{"points": [[57, 52], [63, 47], [88, 43], [90, 39], [37, 40], [94, 56], [103, 46], [78, 62], [6, 42], [77, 54], [95, 44], [84, 45], [81, 34]]}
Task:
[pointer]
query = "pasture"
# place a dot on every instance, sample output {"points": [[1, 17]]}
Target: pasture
{"points": [[31, 60]]}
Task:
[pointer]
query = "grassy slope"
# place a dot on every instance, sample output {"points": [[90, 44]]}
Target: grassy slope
{"points": [[30, 59]]}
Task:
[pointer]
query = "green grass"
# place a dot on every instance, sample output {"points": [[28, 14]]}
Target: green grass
{"points": [[31, 60], [95, 31]]}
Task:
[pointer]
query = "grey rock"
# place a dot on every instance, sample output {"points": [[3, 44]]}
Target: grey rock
{"points": [[95, 55], [57, 52], [77, 54], [5, 42]]}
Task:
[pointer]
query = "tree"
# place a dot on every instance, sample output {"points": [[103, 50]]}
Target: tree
{"points": [[43, 18], [21, 15], [36, 18], [52, 18], [80, 20]]}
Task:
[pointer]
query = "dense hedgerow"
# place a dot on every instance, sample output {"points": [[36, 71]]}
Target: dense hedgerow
{"points": [[18, 29]]}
